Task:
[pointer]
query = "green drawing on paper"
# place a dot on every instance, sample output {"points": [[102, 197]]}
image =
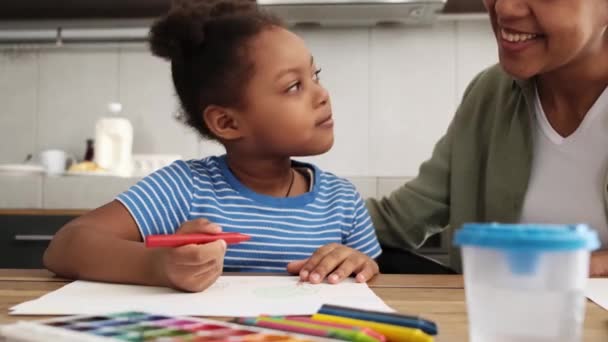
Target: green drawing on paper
{"points": [[286, 291]]}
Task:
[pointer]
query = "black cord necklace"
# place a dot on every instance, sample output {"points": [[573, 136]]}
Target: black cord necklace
{"points": [[293, 176]]}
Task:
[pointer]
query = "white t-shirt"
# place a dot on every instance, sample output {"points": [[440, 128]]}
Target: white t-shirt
{"points": [[568, 173]]}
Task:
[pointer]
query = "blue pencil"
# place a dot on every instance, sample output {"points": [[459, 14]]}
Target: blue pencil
{"points": [[381, 317]]}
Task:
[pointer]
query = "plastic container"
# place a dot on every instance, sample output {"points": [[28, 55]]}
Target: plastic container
{"points": [[114, 143], [525, 282]]}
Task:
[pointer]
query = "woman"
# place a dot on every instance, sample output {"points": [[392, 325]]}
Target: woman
{"points": [[529, 142]]}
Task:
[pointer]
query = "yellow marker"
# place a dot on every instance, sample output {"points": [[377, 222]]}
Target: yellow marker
{"points": [[393, 333]]}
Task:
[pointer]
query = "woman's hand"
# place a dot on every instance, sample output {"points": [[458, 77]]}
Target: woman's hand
{"points": [[599, 264], [336, 262], [191, 268]]}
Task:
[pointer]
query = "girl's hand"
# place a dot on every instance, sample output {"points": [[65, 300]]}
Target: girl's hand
{"points": [[191, 268], [336, 262]]}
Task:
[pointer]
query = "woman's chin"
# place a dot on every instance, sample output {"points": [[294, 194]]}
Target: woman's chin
{"points": [[518, 70]]}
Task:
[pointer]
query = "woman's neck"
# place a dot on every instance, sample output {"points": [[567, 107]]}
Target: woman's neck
{"points": [[272, 176], [568, 93]]}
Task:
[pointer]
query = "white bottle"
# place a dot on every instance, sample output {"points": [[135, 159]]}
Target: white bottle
{"points": [[114, 142]]}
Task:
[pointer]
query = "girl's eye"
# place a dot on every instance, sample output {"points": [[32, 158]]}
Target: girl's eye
{"points": [[294, 87], [297, 86], [316, 76]]}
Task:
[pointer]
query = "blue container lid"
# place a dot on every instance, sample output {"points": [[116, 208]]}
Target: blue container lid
{"points": [[540, 237]]}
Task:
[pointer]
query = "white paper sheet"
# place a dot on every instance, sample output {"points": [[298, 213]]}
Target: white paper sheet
{"points": [[229, 296], [597, 291]]}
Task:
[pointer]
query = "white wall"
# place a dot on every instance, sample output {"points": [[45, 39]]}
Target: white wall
{"points": [[394, 91]]}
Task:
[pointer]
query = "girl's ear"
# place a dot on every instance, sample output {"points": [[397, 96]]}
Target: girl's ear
{"points": [[223, 123]]}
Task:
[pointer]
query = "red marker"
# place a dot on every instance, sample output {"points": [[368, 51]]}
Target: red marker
{"points": [[176, 240]]}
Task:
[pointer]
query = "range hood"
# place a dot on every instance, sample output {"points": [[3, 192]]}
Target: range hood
{"points": [[355, 12], [34, 13], [60, 22]]}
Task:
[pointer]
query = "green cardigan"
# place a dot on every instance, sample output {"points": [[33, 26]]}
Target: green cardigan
{"points": [[478, 172]]}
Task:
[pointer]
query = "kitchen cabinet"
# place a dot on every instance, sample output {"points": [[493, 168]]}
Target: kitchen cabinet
{"points": [[25, 234]]}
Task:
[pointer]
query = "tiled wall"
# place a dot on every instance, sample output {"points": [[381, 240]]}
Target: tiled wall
{"points": [[394, 91]]}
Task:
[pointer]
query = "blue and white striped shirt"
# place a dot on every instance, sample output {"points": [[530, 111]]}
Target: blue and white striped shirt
{"points": [[282, 229]]}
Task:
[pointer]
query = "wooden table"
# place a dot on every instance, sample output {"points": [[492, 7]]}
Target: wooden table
{"points": [[436, 297]]}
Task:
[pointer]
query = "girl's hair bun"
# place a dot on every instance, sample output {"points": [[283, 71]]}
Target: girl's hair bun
{"points": [[183, 28]]}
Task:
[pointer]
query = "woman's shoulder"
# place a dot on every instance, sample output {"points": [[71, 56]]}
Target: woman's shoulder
{"points": [[491, 98], [490, 81]]}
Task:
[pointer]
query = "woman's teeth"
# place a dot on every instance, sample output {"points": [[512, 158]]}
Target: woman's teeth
{"points": [[516, 37]]}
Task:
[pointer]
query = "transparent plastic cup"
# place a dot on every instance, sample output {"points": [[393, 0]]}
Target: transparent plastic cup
{"points": [[525, 282]]}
